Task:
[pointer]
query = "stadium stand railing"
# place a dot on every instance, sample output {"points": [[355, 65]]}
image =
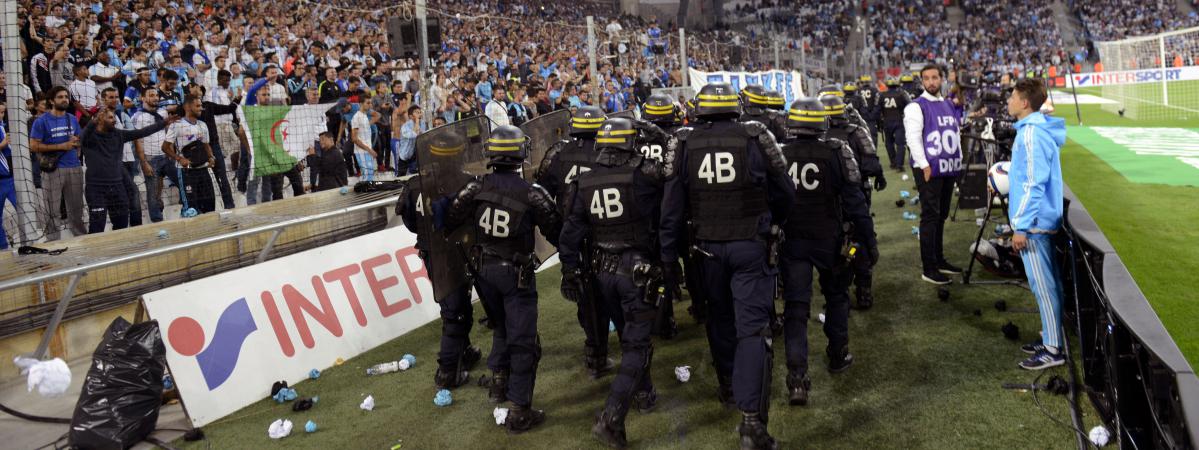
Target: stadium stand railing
{"points": [[1133, 372], [42, 290]]}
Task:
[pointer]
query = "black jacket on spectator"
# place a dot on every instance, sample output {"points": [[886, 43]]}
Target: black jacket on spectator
{"points": [[211, 110], [105, 150], [327, 169]]}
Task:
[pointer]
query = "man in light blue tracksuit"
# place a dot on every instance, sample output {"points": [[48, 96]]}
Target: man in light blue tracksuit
{"points": [[1035, 213]]}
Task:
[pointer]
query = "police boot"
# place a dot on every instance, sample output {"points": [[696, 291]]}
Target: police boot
{"points": [[645, 401], [598, 364], [497, 392], [839, 359], [609, 428], [450, 377], [798, 387], [470, 357], [667, 328], [754, 435], [724, 392], [523, 418], [865, 297]]}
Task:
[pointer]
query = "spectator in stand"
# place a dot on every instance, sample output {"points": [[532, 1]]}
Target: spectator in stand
{"points": [[328, 168], [407, 144], [8, 188], [55, 138], [103, 144]]}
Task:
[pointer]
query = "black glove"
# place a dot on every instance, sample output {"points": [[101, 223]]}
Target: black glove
{"points": [[874, 256], [880, 182], [672, 274], [572, 284]]}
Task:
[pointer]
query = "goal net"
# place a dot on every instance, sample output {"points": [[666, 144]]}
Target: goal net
{"points": [[1152, 77]]}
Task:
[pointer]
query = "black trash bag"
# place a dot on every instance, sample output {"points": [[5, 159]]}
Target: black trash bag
{"points": [[118, 406]]}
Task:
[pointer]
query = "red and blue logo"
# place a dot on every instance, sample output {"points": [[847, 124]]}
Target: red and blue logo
{"points": [[186, 336]]}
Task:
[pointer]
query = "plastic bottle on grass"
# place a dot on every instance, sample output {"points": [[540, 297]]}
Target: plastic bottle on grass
{"points": [[387, 367]]}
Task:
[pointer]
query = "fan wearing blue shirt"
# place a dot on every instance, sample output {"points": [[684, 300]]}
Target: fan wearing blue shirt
{"points": [[55, 138]]}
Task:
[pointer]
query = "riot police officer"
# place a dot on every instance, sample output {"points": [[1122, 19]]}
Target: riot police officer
{"points": [[501, 209], [660, 110], [868, 92], [843, 128], [828, 193], [756, 105], [563, 162], [733, 177], [618, 204], [457, 356], [911, 85], [777, 102], [891, 104]]}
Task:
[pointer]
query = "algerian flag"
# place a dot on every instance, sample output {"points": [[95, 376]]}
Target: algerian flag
{"points": [[281, 135]]}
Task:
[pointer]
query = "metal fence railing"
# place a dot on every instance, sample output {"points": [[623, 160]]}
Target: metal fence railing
{"points": [[1134, 373], [41, 290]]}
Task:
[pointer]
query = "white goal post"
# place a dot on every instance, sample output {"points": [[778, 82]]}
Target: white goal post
{"points": [[1152, 77]]}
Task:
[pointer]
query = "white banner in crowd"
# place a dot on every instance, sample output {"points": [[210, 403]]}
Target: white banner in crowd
{"points": [[1136, 76], [230, 336], [789, 83]]}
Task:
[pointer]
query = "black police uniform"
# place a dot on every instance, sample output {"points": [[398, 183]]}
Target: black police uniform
{"points": [[891, 104], [828, 189], [502, 209], [563, 163], [733, 181], [668, 119], [869, 95], [456, 356], [617, 205]]}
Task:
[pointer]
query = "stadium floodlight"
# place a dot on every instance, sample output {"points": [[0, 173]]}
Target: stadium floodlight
{"points": [[1151, 77]]}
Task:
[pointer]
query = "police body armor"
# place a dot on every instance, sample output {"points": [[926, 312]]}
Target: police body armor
{"points": [[774, 121], [616, 219], [571, 158], [811, 162], [720, 189], [497, 218], [424, 214], [844, 133], [891, 105]]}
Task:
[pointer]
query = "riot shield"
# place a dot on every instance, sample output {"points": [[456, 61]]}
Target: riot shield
{"points": [[543, 132], [449, 156]]}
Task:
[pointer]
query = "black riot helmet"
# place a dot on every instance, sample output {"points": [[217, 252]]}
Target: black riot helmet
{"points": [[754, 96], [807, 117], [717, 101], [660, 109], [835, 107], [617, 133], [891, 82], [850, 88], [507, 146], [776, 101], [830, 89], [586, 121]]}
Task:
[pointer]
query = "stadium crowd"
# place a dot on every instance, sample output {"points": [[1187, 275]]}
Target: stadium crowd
{"points": [[280, 53], [1012, 37], [1109, 20]]}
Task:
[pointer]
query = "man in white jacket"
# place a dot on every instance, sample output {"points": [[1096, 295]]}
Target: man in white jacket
{"points": [[497, 108]]}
